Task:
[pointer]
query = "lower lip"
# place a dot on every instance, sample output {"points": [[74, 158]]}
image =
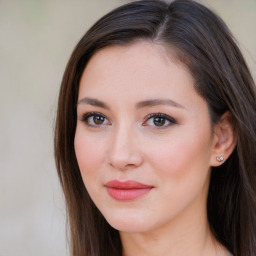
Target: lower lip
{"points": [[127, 194]]}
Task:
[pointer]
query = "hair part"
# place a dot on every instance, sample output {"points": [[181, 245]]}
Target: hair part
{"points": [[199, 39]]}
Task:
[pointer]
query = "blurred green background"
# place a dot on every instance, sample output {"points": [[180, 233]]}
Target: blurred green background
{"points": [[36, 40]]}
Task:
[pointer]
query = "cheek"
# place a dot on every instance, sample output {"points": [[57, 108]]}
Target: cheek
{"points": [[182, 172], [89, 154], [182, 158]]}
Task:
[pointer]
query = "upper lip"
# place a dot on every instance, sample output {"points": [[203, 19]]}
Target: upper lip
{"points": [[129, 184]]}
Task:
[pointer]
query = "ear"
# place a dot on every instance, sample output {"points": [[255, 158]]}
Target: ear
{"points": [[224, 140]]}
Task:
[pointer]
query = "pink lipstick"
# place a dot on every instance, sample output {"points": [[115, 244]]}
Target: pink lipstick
{"points": [[128, 190]]}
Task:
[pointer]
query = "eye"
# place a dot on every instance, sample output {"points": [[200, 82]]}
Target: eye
{"points": [[95, 119], [159, 120]]}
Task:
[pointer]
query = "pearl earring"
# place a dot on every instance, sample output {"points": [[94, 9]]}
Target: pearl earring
{"points": [[220, 158]]}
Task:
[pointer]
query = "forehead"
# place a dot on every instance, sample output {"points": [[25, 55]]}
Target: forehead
{"points": [[123, 76], [141, 63]]}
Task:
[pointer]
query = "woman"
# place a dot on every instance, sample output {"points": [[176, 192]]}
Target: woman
{"points": [[155, 137]]}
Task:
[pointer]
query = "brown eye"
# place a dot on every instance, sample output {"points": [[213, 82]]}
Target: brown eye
{"points": [[98, 119], [159, 121], [94, 119]]}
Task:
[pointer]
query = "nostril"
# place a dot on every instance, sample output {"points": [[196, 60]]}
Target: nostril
{"points": [[125, 160], [124, 151]]}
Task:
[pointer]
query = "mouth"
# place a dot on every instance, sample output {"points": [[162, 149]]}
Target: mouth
{"points": [[128, 190]]}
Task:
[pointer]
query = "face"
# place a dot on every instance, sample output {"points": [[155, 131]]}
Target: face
{"points": [[143, 140]]}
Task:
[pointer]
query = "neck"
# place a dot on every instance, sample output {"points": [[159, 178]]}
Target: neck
{"points": [[188, 234]]}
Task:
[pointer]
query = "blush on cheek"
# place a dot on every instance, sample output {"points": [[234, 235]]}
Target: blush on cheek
{"points": [[85, 154], [178, 158], [89, 153], [169, 158]]}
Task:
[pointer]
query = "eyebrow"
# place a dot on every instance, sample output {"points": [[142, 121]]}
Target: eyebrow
{"points": [[142, 104], [93, 102], [156, 102]]}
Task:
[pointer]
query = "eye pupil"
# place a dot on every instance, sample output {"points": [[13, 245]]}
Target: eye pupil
{"points": [[159, 121], [98, 119]]}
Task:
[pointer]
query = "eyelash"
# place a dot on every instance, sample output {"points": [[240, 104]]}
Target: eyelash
{"points": [[171, 120], [85, 118]]}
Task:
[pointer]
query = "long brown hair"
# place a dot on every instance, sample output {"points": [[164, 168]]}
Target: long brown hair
{"points": [[200, 40]]}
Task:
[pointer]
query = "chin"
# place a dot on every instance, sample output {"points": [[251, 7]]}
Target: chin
{"points": [[128, 226], [130, 222]]}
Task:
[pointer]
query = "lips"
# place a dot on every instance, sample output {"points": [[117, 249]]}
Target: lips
{"points": [[128, 190]]}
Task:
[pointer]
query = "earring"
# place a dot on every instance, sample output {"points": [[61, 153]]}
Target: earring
{"points": [[220, 158]]}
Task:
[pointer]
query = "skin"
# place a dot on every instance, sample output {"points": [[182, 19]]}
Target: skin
{"points": [[175, 158]]}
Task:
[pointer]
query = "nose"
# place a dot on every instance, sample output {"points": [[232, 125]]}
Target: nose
{"points": [[124, 151]]}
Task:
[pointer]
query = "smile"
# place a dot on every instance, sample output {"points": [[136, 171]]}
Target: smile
{"points": [[126, 191]]}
